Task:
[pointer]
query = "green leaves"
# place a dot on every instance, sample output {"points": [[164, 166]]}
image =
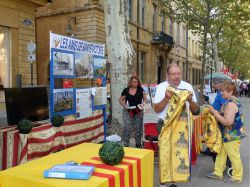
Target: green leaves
{"points": [[225, 20], [24, 126], [57, 120], [111, 153]]}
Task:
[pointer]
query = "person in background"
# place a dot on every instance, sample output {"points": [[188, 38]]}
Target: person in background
{"points": [[219, 100], [245, 88], [207, 90], [162, 96], [132, 100], [238, 90], [241, 89], [108, 106], [108, 87], [248, 89], [231, 124], [207, 87]]}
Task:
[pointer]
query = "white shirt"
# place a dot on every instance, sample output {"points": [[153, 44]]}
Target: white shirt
{"points": [[160, 94]]}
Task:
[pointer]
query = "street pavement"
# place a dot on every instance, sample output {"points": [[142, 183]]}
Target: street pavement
{"points": [[204, 164]]}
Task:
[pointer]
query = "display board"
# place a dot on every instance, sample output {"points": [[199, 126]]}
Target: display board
{"points": [[150, 90], [71, 58]]}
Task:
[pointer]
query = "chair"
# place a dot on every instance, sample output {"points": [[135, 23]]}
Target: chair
{"points": [[150, 137]]}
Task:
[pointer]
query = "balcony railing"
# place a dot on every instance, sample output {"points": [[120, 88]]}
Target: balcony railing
{"points": [[162, 38]]}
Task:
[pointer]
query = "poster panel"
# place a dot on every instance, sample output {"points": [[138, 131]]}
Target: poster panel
{"points": [[83, 103], [150, 96], [63, 63], [84, 65], [71, 58], [100, 96], [63, 100], [99, 67]]}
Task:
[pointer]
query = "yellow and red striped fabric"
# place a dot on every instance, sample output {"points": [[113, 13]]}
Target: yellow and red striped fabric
{"points": [[9, 143], [131, 164], [197, 132]]}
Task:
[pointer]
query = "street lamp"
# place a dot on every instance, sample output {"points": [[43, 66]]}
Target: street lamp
{"points": [[211, 76], [69, 28]]}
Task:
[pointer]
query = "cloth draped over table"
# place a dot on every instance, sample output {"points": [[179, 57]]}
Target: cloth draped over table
{"points": [[175, 140], [211, 133]]}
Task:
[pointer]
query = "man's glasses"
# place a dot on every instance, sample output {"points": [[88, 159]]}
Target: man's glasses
{"points": [[175, 74]]}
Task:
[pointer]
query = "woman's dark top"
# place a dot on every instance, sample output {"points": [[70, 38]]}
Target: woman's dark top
{"points": [[133, 100]]}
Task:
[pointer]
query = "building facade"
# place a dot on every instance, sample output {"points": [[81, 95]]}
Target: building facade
{"points": [[157, 40], [17, 29], [81, 19]]}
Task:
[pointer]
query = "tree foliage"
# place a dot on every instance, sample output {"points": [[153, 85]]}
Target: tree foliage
{"points": [[234, 40], [227, 21], [197, 15]]}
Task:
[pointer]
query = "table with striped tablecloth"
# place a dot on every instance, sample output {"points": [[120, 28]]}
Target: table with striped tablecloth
{"points": [[45, 139]]}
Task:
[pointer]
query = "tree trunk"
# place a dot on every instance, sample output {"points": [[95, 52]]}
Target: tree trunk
{"points": [[204, 46], [120, 52], [217, 65]]}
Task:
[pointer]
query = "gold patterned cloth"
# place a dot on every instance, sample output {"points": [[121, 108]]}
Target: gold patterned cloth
{"points": [[175, 140], [211, 133]]}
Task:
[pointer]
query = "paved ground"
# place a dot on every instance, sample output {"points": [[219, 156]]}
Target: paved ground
{"points": [[205, 163]]}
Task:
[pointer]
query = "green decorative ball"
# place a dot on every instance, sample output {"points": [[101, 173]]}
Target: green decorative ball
{"points": [[111, 153], [24, 126], [57, 120]]}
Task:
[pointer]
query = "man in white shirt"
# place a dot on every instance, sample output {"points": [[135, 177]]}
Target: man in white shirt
{"points": [[162, 96]]}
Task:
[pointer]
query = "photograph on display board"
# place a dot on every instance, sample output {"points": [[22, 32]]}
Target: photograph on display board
{"points": [[67, 83], [100, 96], [63, 100], [152, 88], [63, 63], [84, 65], [99, 67]]}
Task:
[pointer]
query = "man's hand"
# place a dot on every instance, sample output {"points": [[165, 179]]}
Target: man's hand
{"points": [[158, 107], [168, 95], [194, 107], [190, 97]]}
